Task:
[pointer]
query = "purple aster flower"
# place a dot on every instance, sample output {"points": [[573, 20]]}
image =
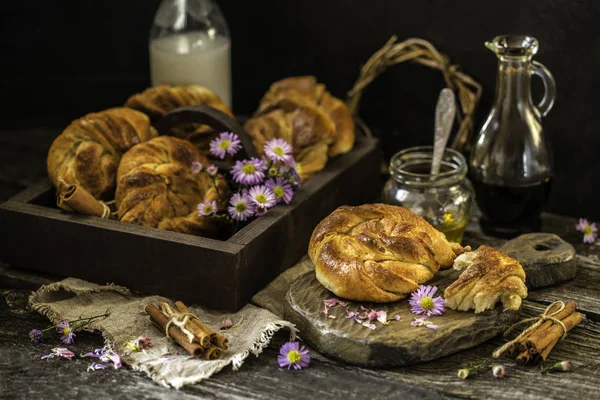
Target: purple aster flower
{"points": [[207, 208], [498, 371], [225, 143], [241, 207], [281, 189], [59, 352], [262, 196], [197, 167], [292, 355], [96, 366], [249, 172], [590, 231], [463, 373], [397, 317], [212, 170], [423, 302], [278, 150], [66, 331], [36, 336]]}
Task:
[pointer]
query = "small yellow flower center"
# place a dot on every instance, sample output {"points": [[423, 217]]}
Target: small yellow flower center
{"points": [[241, 207], [448, 218], [293, 356], [225, 144], [66, 331], [279, 151], [278, 191], [273, 171], [208, 209], [248, 169], [588, 230], [427, 303], [261, 198]]}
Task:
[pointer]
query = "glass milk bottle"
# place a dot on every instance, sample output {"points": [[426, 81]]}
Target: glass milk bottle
{"points": [[190, 44]]}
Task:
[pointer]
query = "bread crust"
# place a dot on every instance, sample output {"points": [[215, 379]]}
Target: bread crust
{"points": [[157, 188], [490, 276], [87, 153], [377, 252]]}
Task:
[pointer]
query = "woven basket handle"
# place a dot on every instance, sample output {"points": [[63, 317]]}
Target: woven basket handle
{"points": [[422, 52], [212, 117]]}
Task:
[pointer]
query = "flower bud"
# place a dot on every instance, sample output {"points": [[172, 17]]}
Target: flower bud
{"points": [[463, 373], [563, 366], [498, 371]]}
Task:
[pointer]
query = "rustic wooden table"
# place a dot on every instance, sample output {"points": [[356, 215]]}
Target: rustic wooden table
{"points": [[24, 375]]}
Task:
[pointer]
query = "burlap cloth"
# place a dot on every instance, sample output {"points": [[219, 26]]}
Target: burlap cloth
{"points": [[165, 362]]}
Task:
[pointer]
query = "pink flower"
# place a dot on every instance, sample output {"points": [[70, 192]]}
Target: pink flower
{"points": [[196, 167], [212, 170], [590, 231], [333, 302], [59, 352], [249, 172]]}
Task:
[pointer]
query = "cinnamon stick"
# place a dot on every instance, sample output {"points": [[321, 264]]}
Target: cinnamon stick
{"points": [[74, 198], [212, 353], [204, 334], [564, 313], [159, 319], [538, 342], [220, 341]]}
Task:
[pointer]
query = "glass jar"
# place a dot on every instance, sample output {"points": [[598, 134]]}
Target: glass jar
{"points": [[190, 44], [444, 200]]}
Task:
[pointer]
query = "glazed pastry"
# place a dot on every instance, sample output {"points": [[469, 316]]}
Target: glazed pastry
{"points": [[308, 129], [88, 151], [378, 252], [160, 100], [156, 187], [489, 276], [302, 104]]}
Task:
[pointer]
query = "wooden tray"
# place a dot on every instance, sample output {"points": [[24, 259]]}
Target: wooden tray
{"points": [[217, 274]]}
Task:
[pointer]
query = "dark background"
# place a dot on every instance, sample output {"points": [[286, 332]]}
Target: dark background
{"points": [[62, 59]]}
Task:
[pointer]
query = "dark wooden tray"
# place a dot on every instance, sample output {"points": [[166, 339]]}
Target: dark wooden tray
{"points": [[217, 274]]}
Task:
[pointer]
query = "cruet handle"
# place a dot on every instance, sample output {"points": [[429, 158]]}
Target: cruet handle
{"points": [[547, 102]]}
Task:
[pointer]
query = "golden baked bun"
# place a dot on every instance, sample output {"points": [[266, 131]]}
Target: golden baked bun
{"points": [[301, 111], [315, 93], [307, 129], [88, 151], [162, 99], [489, 276], [377, 252], [156, 187]]}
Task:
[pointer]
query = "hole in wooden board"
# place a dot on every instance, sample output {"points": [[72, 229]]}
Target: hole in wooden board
{"points": [[541, 247]]}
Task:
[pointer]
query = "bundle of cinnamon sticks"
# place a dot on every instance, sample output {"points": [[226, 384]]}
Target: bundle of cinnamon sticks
{"points": [[187, 330], [534, 345]]}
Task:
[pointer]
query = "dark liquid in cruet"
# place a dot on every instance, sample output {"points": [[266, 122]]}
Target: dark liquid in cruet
{"points": [[509, 211]]}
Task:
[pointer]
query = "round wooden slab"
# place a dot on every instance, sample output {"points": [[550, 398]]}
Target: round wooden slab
{"points": [[546, 258], [395, 344]]}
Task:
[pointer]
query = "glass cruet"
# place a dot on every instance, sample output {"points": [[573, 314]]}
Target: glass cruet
{"points": [[190, 44], [511, 162]]}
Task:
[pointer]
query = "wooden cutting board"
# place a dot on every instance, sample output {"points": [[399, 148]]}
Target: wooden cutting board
{"points": [[545, 258]]}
